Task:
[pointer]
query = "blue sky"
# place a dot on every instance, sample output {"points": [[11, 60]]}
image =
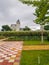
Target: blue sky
{"points": [[12, 10]]}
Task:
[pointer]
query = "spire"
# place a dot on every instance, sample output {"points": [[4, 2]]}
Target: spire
{"points": [[18, 21]]}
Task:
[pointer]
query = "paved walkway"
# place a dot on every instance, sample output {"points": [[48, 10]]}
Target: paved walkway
{"points": [[10, 53], [36, 47]]}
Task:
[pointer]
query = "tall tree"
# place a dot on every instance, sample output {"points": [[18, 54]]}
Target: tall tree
{"points": [[41, 12], [6, 28]]}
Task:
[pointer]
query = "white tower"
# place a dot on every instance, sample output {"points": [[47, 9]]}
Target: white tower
{"points": [[18, 25]]}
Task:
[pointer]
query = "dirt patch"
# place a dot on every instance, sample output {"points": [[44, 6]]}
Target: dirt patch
{"points": [[36, 47]]}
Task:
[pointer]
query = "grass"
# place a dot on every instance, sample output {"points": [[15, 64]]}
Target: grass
{"points": [[35, 42], [2, 37], [29, 42], [31, 57]]}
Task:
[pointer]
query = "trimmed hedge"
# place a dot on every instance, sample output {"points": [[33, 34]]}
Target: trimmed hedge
{"points": [[25, 35]]}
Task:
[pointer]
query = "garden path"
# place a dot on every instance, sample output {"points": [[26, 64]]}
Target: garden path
{"points": [[10, 52], [3, 39]]}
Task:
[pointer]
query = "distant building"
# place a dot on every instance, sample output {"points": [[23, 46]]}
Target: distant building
{"points": [[16, 27]]}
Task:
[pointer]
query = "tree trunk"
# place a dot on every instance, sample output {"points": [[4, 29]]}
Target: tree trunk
{"points": [[42, 34]]}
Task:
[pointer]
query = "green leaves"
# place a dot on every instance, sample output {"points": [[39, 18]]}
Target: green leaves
{"points": [[42, 9], [6, 28], [46, 27], [27, 1]]}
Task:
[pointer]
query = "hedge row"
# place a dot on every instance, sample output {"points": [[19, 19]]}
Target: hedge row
{"points": [[25, 38], [25, 35], [37, 33]]}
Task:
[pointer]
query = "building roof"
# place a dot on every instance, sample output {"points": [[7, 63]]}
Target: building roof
{"points": [[18, 21]]}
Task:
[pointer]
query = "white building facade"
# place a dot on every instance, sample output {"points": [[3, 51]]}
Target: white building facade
{"points": [[16, 27]]}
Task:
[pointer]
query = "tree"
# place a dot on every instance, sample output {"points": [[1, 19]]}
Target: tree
{"points": [[46, 27], [26, 28], [41, 12], [6, 28]]}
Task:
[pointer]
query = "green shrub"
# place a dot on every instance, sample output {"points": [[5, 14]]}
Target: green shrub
{"points": [[24, 35], [48, 37]]}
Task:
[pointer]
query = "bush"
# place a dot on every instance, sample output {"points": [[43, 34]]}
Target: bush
{"points": [[48, 37], [24, 35]]}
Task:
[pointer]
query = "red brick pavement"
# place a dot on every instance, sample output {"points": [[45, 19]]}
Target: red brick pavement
{"points": [[10, 53]]}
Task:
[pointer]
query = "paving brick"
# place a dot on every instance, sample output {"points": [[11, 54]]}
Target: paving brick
{"points": [[16, 63], [10, 53]]}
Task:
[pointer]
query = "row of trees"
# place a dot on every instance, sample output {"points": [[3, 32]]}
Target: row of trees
{"points": [[7, 28], [41, 12]]}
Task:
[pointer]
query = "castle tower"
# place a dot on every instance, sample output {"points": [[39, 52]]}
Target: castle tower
{"points": [[18, 25]]}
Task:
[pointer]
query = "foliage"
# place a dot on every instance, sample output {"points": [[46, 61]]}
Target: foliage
{"points": [[24, 35], [48, 37], [41, 12], [42, 7], [46, 27], [6, 28], [26, 28]]}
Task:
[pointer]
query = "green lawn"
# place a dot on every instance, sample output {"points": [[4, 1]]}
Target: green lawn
{"points": [[29, 42], [35, 58], [2, 37], [35, 42]]}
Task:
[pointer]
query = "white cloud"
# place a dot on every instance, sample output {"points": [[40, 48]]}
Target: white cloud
{"points": [[11, 10]]}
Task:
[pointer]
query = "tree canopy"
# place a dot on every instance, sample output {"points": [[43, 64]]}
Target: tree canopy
{"points": [[42, 10], [6, 28], [26, 28]]}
